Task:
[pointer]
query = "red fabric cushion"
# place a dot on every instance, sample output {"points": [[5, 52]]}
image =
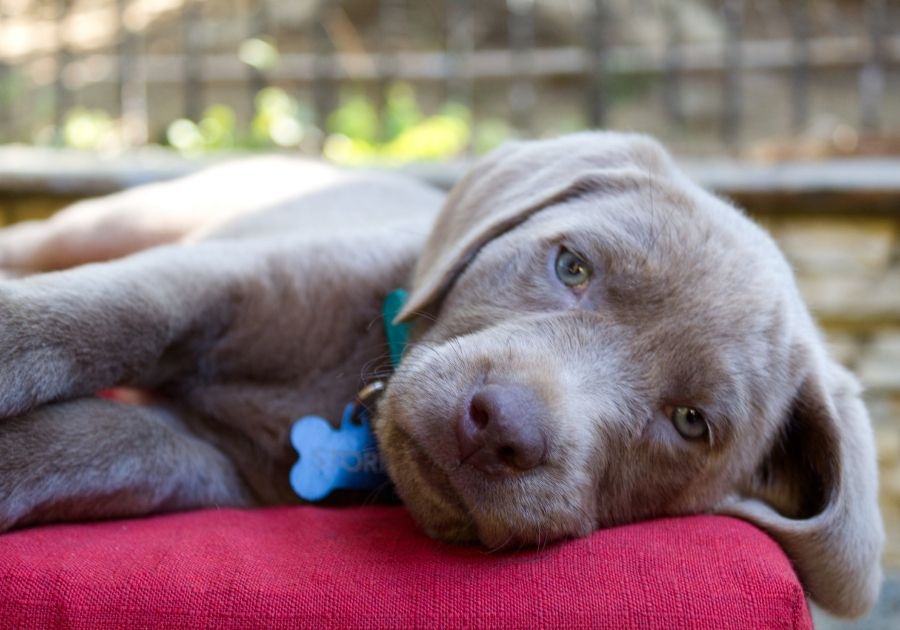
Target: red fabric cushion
{"points": [[371, 567]]}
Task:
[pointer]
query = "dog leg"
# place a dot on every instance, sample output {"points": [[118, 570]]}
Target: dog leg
{"points": [[139, 218], [92, 458], [89, 231], [141, 320]]}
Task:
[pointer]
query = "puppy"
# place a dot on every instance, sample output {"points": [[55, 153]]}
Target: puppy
{"points": [[595, 340]]}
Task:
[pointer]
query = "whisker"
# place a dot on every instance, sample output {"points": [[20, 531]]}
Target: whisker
{"points": [[498, 547], [373, 495]]}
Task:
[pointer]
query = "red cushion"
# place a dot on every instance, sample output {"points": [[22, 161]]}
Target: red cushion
{"points": [[371, 567]]}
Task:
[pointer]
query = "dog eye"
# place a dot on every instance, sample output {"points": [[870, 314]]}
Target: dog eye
{"points": [[571, 270], [689, 422]]}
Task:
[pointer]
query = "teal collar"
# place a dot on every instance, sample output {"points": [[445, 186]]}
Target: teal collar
{"points": [[397, 334]]}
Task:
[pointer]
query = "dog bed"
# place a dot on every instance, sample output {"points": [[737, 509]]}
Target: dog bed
{"points": [[367, 567]]}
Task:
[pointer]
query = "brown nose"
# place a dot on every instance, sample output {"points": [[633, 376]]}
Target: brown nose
{"points": [[500, 432]]}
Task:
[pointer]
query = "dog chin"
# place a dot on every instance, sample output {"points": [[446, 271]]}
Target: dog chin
{"points": [[424, 488], [504, 539]]}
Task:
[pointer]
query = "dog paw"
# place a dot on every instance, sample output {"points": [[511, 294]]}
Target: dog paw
{"points": [[19, 244]]}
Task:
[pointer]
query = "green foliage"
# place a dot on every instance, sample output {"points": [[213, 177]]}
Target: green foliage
{"points": [[403, 134], [401, 111], [355, 119], [218, 127], [259, 53], [355, 133], [11, 85], [214, 131], [88, 129], [280, 121], [184, 135]]}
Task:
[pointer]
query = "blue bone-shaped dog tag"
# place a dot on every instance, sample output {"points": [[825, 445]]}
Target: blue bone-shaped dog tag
{"points": [[346, 458]]}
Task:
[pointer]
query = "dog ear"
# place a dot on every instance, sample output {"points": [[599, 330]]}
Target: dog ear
{"points": [[816, 493], [510, 184]]}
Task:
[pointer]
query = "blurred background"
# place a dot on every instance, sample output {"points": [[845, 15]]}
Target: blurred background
{"points": [[789, 107], [404, 80]]}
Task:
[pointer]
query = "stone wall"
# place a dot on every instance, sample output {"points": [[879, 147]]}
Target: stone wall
{"points": [[838, 225]]}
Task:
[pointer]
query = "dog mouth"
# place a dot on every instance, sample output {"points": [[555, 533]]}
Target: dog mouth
{"points": [[425, 488], [493, 513]]}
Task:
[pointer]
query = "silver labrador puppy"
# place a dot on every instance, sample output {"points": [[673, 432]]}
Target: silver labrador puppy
{"points": [[596, 340]]}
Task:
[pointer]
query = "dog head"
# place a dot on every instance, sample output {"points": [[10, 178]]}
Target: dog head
{"points": [[598, 340]]}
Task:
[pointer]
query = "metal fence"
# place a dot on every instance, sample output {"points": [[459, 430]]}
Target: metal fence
{"points": [[678, 66]]}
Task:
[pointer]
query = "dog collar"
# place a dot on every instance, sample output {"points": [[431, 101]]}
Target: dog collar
{"points": [[347, 457]]}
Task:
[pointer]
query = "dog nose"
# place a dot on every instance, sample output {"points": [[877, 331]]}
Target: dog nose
{"points": [[500, 433]]}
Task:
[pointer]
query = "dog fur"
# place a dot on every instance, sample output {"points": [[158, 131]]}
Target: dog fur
{"points": [[248, 295]]}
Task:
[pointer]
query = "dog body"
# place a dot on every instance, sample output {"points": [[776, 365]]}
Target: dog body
{"points": [[596, 340], [240, 329]]}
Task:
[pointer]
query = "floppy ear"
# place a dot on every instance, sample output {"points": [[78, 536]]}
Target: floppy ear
{"points": [[513, 182], [816, 493]]}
